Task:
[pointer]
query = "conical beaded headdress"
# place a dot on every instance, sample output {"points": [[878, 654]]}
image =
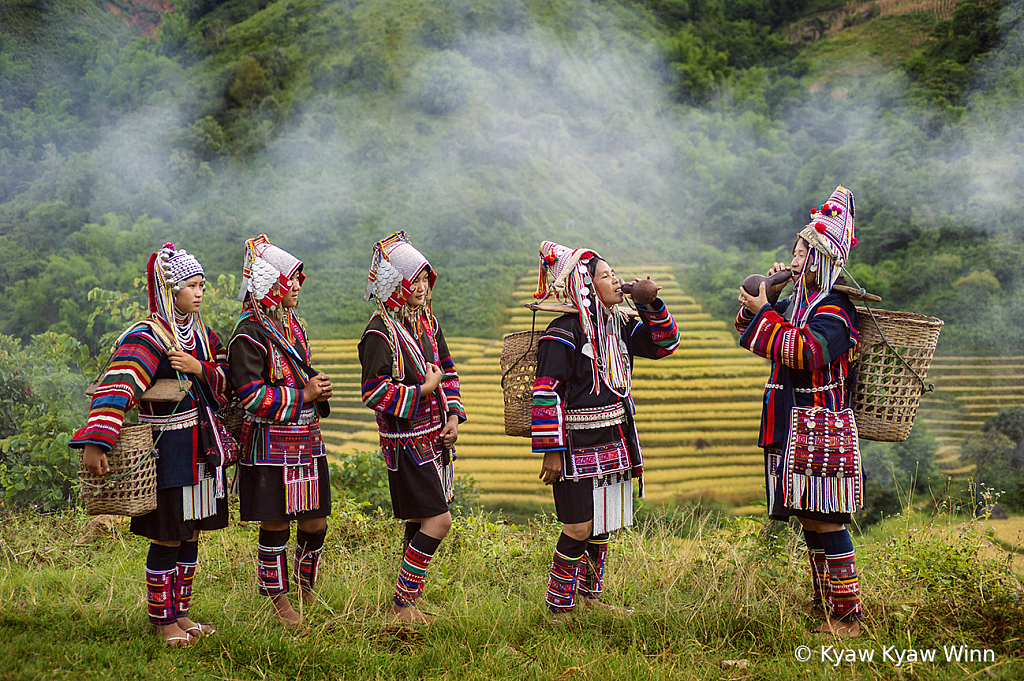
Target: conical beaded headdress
{"points": [[572, 283]]}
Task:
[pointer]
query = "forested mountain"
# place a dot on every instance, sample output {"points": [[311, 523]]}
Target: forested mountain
{"points": [[697, 132]]}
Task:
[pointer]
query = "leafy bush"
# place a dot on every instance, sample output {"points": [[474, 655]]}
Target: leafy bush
{"points": [[45, 405], [893, 471], [997, 453], [363, 477]]}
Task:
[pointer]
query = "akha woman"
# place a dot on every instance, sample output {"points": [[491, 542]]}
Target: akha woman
{"points": [[583, 410], [283, 474], [173, 343], [409, 380], [809, 337]]}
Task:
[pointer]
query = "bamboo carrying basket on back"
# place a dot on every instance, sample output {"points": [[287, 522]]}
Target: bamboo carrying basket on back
{"points": [[130, 487], [892, 348], [518, 372]]}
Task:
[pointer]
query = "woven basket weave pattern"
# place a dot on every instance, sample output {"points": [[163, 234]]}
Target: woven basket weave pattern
{"points": [[133, 494], [887, 393], [519, 370]]}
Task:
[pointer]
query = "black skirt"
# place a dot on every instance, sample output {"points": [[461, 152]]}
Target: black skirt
{"points": [[261, 493], [574, 500], [773, 488], [166, 522], [416, 491]]}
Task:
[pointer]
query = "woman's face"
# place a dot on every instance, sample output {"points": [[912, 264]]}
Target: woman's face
{"points": [[190, 297], [291, 296], [420, 289], [799, 260], [608, 285]]}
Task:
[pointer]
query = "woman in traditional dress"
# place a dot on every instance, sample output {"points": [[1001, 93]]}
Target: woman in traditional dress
{"points": [[409, 380], [172, 343], [583, 410], [809, 337], [283, 474]]}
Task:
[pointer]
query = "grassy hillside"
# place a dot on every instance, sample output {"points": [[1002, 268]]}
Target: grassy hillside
{"points": [[703, 591]]}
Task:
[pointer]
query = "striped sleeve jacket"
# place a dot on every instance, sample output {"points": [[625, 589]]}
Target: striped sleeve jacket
{"points": [[561, 361], [810, 364]]}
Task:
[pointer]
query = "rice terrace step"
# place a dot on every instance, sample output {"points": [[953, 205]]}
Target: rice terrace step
{"points": [[698, 411]]}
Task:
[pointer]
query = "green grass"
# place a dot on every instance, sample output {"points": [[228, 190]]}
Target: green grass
{"points": [[705, 588]]}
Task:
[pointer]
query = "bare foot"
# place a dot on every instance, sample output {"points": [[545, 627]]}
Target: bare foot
{"points": [[284, 611], [408, 614], [598, 605], [559, 619], [839, 629], [195, 629], [173, 635]]}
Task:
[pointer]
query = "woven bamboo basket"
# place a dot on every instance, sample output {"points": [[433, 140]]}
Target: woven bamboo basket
{"points": [[233, 416], [518, 372], [887, 393], [130, 486]]}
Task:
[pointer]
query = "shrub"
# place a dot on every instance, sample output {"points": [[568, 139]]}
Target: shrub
{"points": [[362, 477], [44, 406]]}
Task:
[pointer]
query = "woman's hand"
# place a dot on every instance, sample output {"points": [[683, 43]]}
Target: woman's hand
{"points": [[433, 379], [551, 469], [779, 267], [327, 390], [318, 389], [95, 460], [450, 433], [754, 303], [184, 362]]}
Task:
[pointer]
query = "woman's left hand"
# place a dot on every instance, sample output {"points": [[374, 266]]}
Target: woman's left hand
{"points": [[184, 362], [754, 303], [450, 433]]}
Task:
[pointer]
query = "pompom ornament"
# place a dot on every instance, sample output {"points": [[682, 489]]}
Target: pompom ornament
{"points": [[820, 227]]}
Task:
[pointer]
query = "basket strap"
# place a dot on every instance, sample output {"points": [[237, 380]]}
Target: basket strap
{"points": [[97, 486], [925, 387]]}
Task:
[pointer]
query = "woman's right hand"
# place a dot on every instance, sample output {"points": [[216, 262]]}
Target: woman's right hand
{"points": [[433, 379], [551, 469], [778, 267], [315, 388], [95, 460]]}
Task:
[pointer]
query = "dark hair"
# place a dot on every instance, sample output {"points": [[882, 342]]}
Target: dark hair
{"points": [[592, 263]]}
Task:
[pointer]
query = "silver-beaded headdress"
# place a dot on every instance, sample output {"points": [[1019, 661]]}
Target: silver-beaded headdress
{"points": [[264, 265], [168, 268]]}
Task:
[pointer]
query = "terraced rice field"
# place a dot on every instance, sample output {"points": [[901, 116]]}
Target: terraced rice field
{"points": [[697, 411], [968, 391]]}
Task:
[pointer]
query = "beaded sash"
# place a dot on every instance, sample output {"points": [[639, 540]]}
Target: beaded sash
{"points": [[822, 464], [595, 417]]}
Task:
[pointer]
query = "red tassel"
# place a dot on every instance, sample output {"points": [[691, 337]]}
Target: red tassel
{"points": [[542, 284]]}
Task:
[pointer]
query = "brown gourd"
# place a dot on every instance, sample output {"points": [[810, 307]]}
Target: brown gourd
{"points": [[752, 284]]}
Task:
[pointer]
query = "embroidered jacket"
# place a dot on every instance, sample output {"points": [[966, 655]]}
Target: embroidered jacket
{"points": [[405, 416], [138, 361], [279, 429], [809, 364], [594, 431]]}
